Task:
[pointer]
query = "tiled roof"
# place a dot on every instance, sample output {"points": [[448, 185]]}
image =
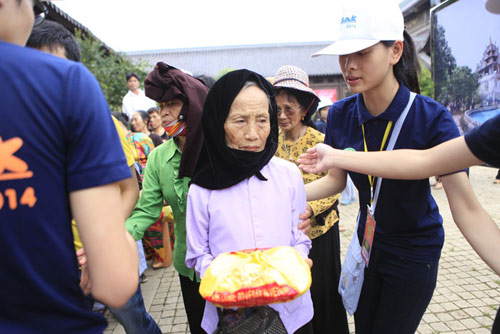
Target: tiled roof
{"points": [[58, 15], [264, 58]]}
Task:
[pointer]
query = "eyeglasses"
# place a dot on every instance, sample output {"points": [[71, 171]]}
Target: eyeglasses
{"points": [[40, 11], [288, 111]]}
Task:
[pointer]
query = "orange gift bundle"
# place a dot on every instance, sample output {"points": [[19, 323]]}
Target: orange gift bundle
{"points": [[255, 277]]}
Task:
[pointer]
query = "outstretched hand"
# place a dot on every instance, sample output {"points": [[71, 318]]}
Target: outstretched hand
{"points": [[315, 159]]}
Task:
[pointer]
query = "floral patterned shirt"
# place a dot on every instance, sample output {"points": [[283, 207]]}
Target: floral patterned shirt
{"points": [[291, 152]]}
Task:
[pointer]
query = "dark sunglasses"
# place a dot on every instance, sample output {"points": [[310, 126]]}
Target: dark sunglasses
{"points": [[40, 11]]}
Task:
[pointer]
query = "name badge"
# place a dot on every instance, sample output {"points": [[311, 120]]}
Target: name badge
{"points": [[367, 244]]}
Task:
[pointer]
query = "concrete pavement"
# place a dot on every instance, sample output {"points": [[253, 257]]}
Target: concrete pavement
{"points": [[466, 298]]}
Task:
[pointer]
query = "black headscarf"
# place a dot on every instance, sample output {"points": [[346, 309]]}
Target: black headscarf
{"points": [[219, 166], [165, 83]]}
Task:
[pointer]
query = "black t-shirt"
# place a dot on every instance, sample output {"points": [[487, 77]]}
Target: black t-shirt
{"points": [[484, 141], [164, 136], [157, 140]]}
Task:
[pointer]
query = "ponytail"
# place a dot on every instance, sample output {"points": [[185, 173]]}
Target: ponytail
{"points": [[145, 116], [408, 67]]}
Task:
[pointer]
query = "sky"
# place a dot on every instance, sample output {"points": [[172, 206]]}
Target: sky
{"points": [[136, 25], [468, 28]]}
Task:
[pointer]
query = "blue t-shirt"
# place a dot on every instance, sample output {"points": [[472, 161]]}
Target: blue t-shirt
{"points": [[408, 220], [57, 136], [484, 141]]}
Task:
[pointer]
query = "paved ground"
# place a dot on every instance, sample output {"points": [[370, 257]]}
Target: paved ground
{"points": [[465, 300]]}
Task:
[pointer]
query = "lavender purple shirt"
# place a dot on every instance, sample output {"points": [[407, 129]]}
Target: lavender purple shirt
{"points": [[250, 214]]}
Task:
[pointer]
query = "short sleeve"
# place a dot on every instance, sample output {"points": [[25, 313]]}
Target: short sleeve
{"points": [[94, 155], [444, 128], [484, 141]]}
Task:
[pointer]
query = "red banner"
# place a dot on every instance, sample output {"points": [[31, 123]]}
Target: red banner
{"points": [[329, 93]]}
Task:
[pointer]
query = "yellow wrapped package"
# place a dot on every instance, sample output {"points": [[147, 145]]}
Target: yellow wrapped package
{"points": [[256, 277]]}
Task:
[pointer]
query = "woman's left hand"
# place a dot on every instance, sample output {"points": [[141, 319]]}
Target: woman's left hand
{"points": [[305, 223], [84, 276], [309, 262]]}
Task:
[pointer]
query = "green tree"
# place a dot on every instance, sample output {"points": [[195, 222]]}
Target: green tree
{"points": [[426, 83], [109, 67], [462, 88], [222, 72], [443, 63]]}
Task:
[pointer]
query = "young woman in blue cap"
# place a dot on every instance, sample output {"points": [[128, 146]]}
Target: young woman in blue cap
{"points": [[379, 65]]}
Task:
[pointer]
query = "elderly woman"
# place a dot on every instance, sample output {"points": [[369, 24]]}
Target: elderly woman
{"points": [[242, 197], [169, 169], [296, 104]]}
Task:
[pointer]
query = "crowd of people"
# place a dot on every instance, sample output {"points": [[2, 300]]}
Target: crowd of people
{"points": [[193, 167]]}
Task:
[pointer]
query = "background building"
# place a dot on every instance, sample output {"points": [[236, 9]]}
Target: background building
{"points": [[489, 75], [54, 13], [324, 72]]}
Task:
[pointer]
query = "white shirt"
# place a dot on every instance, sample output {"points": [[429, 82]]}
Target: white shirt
{"points": [[132, 103]]}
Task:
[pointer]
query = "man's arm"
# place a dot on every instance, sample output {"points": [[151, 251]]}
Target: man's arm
{"points": [[129, 189], [111, 251]]}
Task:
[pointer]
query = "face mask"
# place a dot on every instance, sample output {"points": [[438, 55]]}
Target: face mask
{"points": [[176, 128]]}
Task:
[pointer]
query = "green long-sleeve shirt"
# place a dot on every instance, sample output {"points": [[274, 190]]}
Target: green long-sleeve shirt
{"points": [[161, 183]]}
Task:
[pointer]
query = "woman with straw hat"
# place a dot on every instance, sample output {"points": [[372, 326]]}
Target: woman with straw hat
{"points": [[296, 104]]}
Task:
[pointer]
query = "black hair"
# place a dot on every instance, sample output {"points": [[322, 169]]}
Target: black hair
{"points": [[408, 67], [123, 118], [132, 74], [306, 100], [152, 110], [51, 35], [144, 115], [206, 80]]}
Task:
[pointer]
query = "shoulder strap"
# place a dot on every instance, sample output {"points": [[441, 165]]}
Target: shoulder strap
{"points": [[392, 142]]}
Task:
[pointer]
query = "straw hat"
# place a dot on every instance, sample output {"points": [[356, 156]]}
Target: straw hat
{"points": [[294, 77]]}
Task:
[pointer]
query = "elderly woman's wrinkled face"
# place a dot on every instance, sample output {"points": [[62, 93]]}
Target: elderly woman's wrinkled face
{"points": [[248, 124], [170, 111], [290, 112]]}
